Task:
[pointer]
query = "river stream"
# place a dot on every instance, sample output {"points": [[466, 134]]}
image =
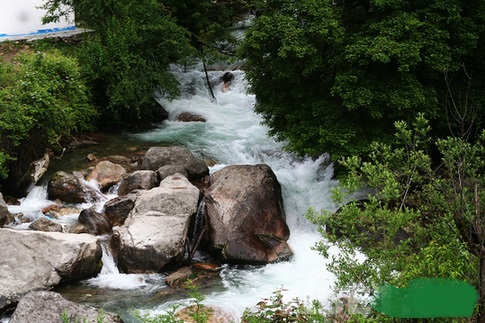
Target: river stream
{"points": [[232, 134]]}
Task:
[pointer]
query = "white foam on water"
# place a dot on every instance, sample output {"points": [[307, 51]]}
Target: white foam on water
{"points": [[31, 206], [111, 278]]}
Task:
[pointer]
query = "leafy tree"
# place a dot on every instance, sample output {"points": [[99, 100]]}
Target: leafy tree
{"points": [[126, 59], [333, 76], [419, 220], [206, 20]]}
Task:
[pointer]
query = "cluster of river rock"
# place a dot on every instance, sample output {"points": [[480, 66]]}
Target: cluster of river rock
{"points": [[165, 210]]}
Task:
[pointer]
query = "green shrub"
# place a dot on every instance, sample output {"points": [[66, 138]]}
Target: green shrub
{"points": [[42, 96]]}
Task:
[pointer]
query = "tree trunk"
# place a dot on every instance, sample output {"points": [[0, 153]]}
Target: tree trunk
{"points": [[208, 81]]}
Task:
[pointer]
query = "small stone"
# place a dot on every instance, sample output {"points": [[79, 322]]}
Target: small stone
{"points": [[91, 158], [51, 208], [189, 117], [178, 277]]}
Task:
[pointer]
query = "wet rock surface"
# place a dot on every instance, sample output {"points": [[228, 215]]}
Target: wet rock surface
{"points": [[117, 210], [141, 179], [46, 225], [33, 260], [246, 216], [68, 187], [106, 174]]}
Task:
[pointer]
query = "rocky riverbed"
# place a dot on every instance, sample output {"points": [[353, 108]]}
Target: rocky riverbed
{"points": [[164, 207]]}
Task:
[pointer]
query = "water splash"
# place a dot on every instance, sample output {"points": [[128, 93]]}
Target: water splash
{"points": [[31, 205], [111, 278]]}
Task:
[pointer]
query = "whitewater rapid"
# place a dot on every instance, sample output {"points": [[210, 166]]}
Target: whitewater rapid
{"points": [[234, 134]]}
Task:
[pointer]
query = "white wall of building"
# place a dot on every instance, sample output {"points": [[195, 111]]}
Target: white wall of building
{"points": [[19, 17]]}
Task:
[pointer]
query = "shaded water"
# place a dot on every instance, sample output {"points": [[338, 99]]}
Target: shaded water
{"points": [[233, 134]]}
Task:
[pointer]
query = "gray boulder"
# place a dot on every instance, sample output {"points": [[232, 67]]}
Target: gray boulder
{"points": [[246, 216], [140, 179], [154, 234], [34, 260], [157, 157], [168, 170], [44, 306]]}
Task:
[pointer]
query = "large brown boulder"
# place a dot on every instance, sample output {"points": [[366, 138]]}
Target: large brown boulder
{"points": [[107, 174], [140, 179], [157, 157], [44, 306], [68, 187], [246, 216], [78, 228], [34, 260], [154, 234]]}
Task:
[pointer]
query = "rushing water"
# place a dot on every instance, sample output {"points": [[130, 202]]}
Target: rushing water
{"points": [[232, 134]]}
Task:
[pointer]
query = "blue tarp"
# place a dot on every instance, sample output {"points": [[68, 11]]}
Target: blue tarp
{"points": [[41, 32]]}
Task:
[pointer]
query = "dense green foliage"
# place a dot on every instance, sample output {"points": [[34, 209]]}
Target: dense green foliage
{"points": [[206, 21], [128, 55], [332, 76], [338, 77], [42, 98], [417, 221]]}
